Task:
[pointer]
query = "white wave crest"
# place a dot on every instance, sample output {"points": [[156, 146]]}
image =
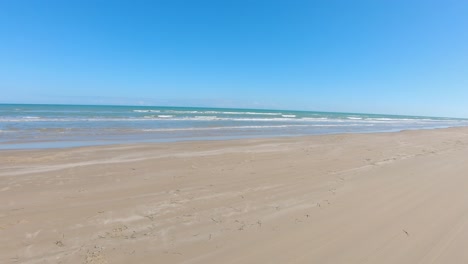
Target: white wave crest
{"points": [[146, 111]]}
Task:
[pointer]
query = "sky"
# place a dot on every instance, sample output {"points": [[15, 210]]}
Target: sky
{"points": [[387, 56]]}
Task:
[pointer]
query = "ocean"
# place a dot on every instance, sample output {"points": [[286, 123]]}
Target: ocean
{"points": [[49, 126]]}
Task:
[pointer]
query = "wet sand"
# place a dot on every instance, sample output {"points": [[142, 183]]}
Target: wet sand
{"points": [[352, 198]]}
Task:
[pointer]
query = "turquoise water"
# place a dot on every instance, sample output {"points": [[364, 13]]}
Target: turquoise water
{"points": [[42, 126]]}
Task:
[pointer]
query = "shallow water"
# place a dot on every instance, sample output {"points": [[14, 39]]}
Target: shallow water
{"points": [[42, 126]]}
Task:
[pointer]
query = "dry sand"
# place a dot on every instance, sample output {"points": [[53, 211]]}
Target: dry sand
{"points": [[370, 198]]}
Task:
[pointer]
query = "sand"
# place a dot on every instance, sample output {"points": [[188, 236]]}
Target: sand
{"points": [[357, 198]]}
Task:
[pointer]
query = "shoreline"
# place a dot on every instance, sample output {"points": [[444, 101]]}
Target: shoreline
{"points": [[38, 145], [396, 197]]}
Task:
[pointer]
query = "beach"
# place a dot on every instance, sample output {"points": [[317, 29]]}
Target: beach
{"points": [[397, 197]]}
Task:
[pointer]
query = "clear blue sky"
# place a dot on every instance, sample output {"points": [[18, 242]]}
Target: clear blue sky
{"points": [[388, 56]]}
